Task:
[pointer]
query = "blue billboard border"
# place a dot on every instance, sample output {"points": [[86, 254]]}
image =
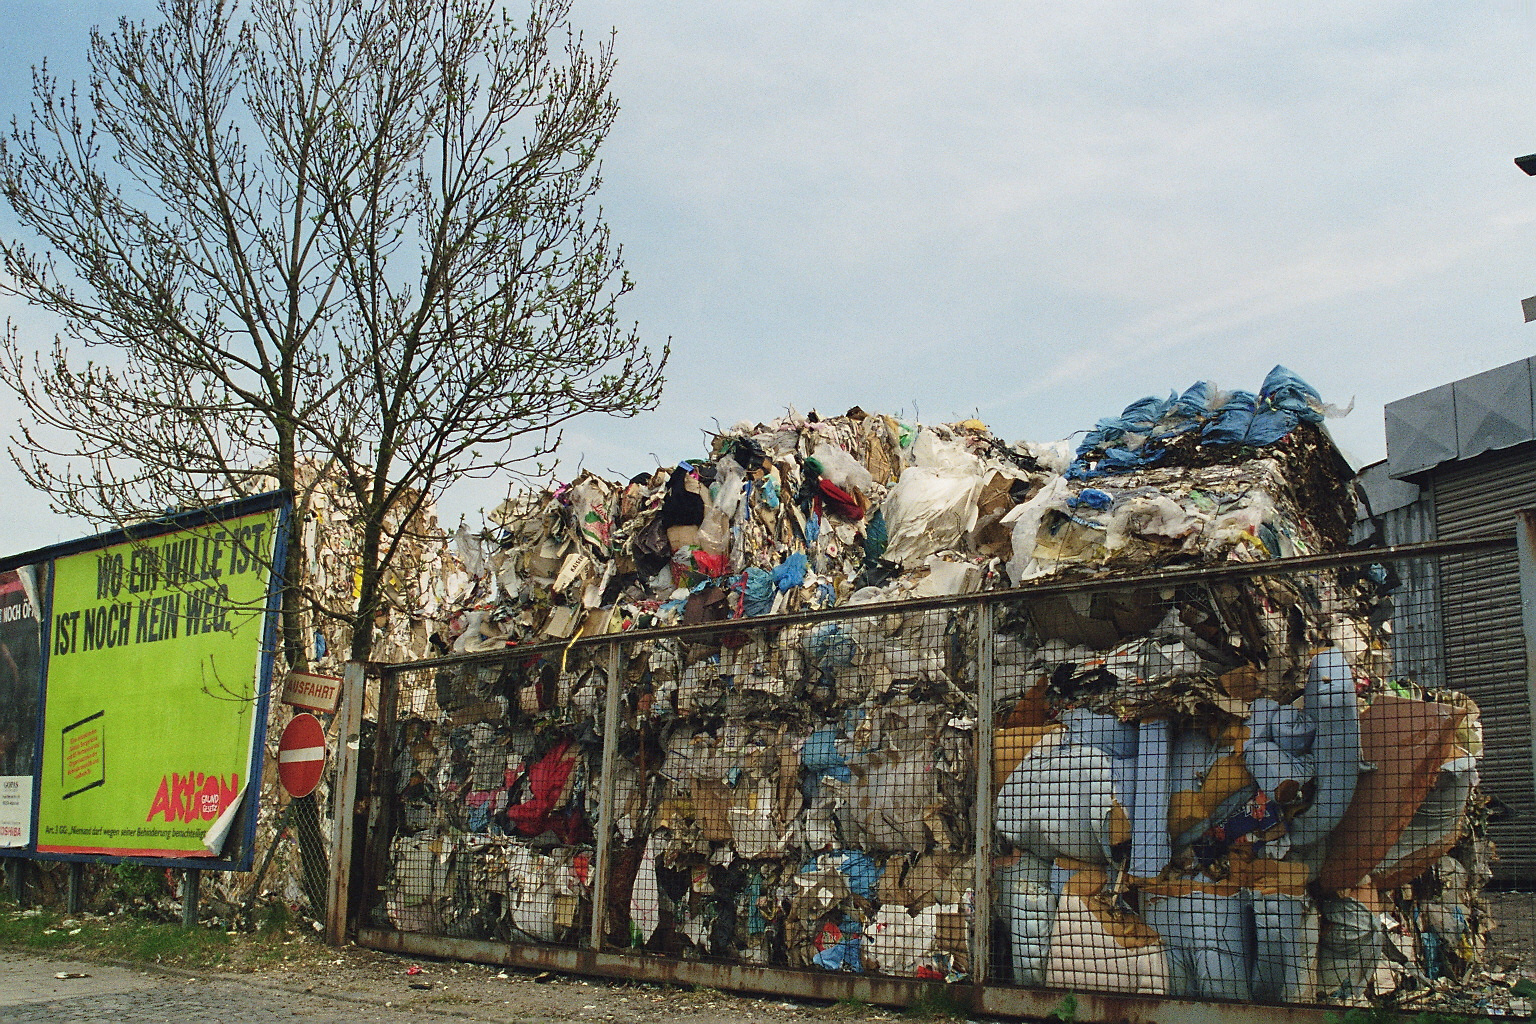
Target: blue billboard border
{"points": [[280, 502]]}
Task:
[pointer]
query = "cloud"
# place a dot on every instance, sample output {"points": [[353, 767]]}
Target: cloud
{"points": [[1041, 211]]}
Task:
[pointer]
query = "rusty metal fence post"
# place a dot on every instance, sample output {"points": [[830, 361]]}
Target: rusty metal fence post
{"points": [[982, 813], [381, 793], [604, 837], [349, 717]]}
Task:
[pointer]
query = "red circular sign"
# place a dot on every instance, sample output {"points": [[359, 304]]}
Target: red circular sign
{"points": [[301, 755]]}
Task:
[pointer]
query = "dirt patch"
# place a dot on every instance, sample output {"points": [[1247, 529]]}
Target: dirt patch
{"points": [[480, 992]]}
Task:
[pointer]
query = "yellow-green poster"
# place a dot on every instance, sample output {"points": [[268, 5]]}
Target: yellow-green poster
{"points": [[152, 690]]}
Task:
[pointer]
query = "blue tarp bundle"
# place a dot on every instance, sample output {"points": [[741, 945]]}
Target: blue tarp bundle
{"points": [[1137, 437]]}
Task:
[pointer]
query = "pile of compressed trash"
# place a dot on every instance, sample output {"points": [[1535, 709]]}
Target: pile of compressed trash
{"points": [[1215, 789], [809, 512], [1247, 842]]}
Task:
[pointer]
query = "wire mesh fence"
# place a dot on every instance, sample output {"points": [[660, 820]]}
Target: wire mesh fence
{"points": [[1227, 789], [493, 767], [1249, 783], [792, 785]]}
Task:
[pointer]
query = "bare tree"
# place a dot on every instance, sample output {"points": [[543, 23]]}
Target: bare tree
{"points": [[356, 236]]}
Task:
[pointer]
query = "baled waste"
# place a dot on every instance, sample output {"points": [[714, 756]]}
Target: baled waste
{"points": [[1210, 789]]}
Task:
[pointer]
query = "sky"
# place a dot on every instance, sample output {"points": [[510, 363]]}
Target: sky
{"points": [[1027, 212]]}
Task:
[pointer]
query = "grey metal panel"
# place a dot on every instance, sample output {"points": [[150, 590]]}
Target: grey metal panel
{"points": [[1421, 430], [1382, 518], [1411, 524], [1484, 659], [1484, 639], [1493, 410], [1381, 493]]}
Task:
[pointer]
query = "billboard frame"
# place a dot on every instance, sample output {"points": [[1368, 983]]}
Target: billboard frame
{"points": [[278, 502]]}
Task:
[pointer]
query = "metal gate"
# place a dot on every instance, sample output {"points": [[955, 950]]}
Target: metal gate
{"points": [[1196, 792]]}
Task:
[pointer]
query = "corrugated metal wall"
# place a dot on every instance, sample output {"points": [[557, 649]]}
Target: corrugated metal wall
{"points": [[1416, 626], [1484, 641]]}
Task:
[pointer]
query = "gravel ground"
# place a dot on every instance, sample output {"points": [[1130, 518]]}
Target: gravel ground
{"points": [[352, 984]]}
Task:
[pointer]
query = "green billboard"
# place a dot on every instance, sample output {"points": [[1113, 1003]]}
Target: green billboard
{"points": [[155, 689]]}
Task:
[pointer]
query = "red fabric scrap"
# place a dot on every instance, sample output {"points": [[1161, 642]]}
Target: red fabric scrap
{"points": [[545, 781], [839, 502], [710, 565]]}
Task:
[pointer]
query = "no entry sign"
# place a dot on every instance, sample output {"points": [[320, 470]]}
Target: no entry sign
{"points": [[301, 755]]}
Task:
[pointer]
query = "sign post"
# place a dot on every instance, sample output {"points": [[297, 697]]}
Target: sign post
{"points": [[310, 691]]}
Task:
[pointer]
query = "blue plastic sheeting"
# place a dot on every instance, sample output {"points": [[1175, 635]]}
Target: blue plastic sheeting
{"points": [[757, 924], [876, 537], [1279, 745], [1139, 418], [862, 871], [1284, 401], [758, 590], [1284, 390], [845, 955], [1103, 732], [1151, 846], [791, 573], [1092, 497], [1135, 439], [1193, 404], [1330, 701], [1284, 930], [1123, 460], [820, 756], [1210, 944], [829, 646], [1230, 423]]}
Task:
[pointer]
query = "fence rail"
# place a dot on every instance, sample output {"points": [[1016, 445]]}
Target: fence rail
{"points": [[1205, 789]]}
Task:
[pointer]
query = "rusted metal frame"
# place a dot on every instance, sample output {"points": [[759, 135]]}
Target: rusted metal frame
{"points": [[833, 986], [983, 810], [1525, 533], [20, 867], [349, 716], [381, 792], [605, 809], [1168, 577]]}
